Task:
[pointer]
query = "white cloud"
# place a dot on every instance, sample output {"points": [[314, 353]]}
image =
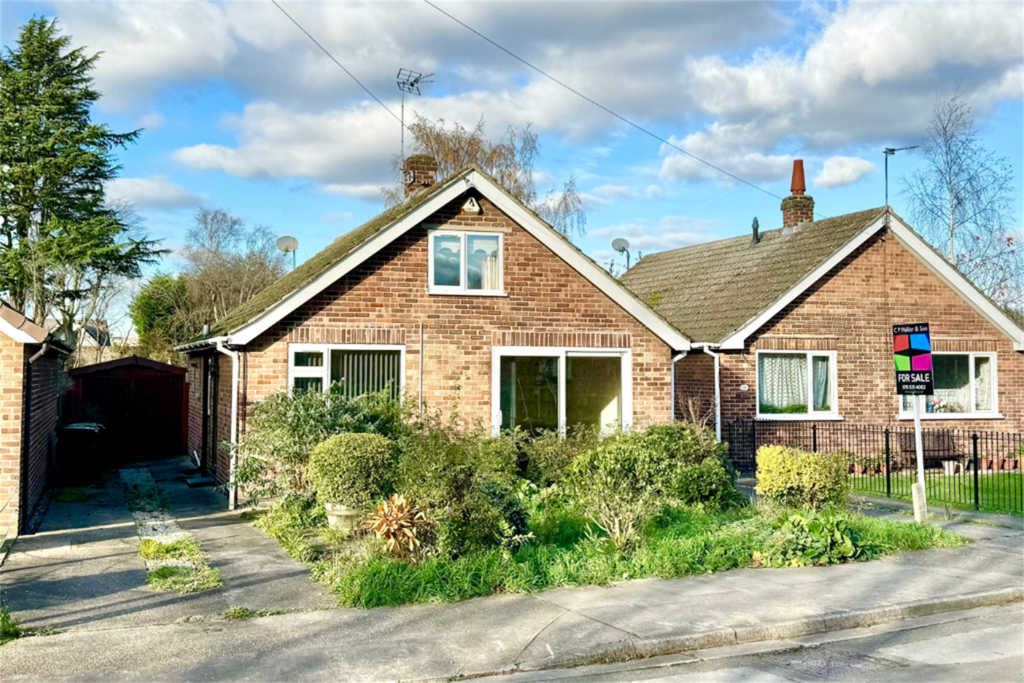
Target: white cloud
{"points": [[152, 192], [670, 232], [152, 121], [842, 171], [616, 192]]}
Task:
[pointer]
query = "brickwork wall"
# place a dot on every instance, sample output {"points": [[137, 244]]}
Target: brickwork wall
{"points": [[12, 379], [852, 311], [48, 382], [695, 384], [223, 420], [548, 304]]}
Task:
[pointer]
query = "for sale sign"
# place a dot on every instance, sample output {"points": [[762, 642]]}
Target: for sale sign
{"points": [[912, 353]]}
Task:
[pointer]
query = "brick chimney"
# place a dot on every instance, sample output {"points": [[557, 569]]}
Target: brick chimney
{"points": [[418, 171], [797, 207]]}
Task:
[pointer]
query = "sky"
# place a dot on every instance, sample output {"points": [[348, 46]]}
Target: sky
{"points": [[242, 111]]}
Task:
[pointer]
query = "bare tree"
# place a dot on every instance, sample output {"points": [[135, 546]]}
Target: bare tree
{"points": [[227, 263], [962, 201], [510, 161]]}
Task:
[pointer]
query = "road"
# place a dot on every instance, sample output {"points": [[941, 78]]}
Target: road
{"points": [[985, 645]]}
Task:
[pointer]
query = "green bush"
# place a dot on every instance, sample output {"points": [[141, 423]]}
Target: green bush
{"points": [[795, 478], [549, 454], [283, 429], [707, 483], [352, 469], [615, 486], [685, 443], [443, 469]]}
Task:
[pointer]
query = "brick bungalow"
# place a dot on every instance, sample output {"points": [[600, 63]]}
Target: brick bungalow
{"points": [[796, 324], [31, 381], [461, 295]]}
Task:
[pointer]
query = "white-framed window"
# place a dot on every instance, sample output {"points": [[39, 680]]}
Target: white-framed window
{"points": [[356, 369], [797, 385], [542, 387], [965, 386], [462, 262]]}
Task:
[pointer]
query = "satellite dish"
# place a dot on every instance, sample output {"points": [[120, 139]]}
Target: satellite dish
{"points": [[287, 244], [620, 245]]}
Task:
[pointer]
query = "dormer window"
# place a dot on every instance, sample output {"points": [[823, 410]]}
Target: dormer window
{"points": [[466, 263]]}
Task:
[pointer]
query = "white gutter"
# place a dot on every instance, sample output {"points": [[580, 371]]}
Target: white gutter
{"points": [[718, 392], [674, 359], [232, 489]]}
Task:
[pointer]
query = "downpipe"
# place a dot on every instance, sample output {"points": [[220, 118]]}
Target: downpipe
{"points": [[232, 487], [718, 393]]}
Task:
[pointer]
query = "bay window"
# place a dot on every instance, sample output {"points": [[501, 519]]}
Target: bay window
{"points": [[465, 263], [354, 370], [965, 386], [796, 385]]}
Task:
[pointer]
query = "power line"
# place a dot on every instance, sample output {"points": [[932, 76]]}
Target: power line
{"points": [[350, 74], [598, 104]]}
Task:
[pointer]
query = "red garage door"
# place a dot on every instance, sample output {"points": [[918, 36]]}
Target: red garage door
{"points": [[141, 403]]}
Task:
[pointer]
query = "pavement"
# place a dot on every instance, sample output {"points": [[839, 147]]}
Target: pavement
{"points": [[487, 636], [81, 569]]}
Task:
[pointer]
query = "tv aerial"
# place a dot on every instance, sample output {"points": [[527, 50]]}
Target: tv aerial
{"points": [[409, 81]]}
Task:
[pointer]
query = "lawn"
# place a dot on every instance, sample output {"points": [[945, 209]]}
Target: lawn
{"points": [[1002, 492], [679, 542]]}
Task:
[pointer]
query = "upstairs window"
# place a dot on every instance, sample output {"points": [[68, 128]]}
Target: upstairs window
{"points": [[965, 386], [466, 263], [796, 385]]}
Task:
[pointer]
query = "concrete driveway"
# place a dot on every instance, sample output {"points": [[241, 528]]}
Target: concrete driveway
{"points": [[81, 570]]}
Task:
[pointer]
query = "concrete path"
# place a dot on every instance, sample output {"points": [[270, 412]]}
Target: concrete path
{"points": [[81, 570], [568, 626]]}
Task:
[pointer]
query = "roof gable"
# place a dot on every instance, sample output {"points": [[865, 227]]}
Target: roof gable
{"points": [[347, 252], [20, 328], [709, 291]]}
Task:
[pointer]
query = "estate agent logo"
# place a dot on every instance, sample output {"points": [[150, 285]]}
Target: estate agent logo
{"points": [[912, 353]]}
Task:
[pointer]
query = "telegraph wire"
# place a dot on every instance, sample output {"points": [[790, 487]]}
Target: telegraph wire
{"points": [[598, 104]]}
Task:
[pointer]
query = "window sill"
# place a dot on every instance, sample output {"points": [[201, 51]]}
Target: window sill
{"points": [[434, 292], [925, 417], [797, 417]]}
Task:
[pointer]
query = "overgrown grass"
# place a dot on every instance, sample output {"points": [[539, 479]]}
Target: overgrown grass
{"points": [[237, 613], [183, 578], [9, 629], [679, 543], [185, 550]]}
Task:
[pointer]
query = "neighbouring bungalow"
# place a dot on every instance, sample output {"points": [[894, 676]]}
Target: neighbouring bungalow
{"points": [[31, 382], [795, 324], [460, 295]]}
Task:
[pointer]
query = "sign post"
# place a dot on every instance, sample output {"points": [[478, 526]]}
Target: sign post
{"points": [[912, 354]]}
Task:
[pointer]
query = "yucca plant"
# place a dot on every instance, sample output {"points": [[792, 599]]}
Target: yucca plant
{"points": [[395, 521]]}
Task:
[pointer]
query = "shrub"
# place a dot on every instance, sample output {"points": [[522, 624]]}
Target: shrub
{"points": [[396, 522], [807, 539], [613, 485], [284, 428], [352, 469], [796, 478], [444, 467], [685, 443], [549, 454], [707, 483]]}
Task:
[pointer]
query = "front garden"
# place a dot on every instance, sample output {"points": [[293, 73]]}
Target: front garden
{"points": [[431, 509]]}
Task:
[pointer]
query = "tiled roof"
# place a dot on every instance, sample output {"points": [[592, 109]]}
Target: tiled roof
{"points": [[708, 291]]}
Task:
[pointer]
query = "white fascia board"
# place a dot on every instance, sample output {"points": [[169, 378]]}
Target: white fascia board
{"points": [[737, 340], [948, 273], [597, 276], [20, 336], [257, 327]]}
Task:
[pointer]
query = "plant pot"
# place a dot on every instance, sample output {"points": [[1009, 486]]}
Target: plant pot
{"points": [[342, 518], [858, 469], [986, 464], [997, 463], [1010, 464]]}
